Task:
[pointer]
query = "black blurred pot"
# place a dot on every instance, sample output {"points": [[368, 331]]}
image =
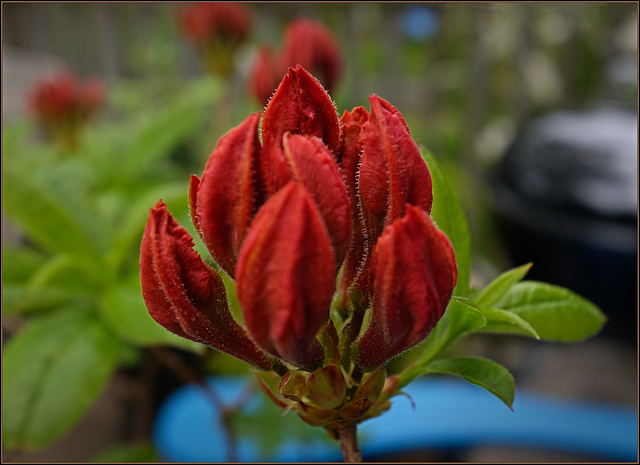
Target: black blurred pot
{"points": [[565, 197]]}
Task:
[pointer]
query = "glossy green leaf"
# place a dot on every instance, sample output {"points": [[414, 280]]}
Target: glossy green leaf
{"points": [[499, 286], [480, 371], [460, 318], [449, 216], [556, 313], [53, 370], [502, 321]]}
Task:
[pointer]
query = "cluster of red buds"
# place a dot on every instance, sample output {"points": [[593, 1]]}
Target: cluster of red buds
{"points": [[306, 42], [63, 105], [217, 29], [323, 223]]}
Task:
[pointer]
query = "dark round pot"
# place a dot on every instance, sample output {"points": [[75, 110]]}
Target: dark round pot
{"points": [[565, 197]]}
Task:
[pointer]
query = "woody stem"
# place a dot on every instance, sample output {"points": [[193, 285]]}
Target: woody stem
{"points": [[348, 439]]}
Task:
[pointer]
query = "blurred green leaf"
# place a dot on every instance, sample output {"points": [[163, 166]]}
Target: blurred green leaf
{"points": [[20, 262], [128, 233], [449, 216], [556, 313], [20, 298], [161, 133], [53, 370], [480, 371], [144, 452], [56, 222], [499, 286], [124, 311]]}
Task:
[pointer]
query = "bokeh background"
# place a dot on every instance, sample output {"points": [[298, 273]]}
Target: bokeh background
{"points": [[470, 79]]}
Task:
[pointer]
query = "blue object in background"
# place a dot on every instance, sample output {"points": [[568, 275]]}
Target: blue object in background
{"points": [[419, 23], [448, 413]]}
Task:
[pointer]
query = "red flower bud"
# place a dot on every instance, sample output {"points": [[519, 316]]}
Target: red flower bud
{"points": [[300, 105], [265, 75], [63, 105], [217, 29], [216, 21], [184, 294], [286, 277], [224, 201], [312, 45], [392, 172], [413, 272], [307, 43]]}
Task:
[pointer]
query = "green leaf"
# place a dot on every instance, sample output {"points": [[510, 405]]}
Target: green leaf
{"points": [[502, 321], [49, 217], [144, 452], [499, 286], [19, 263], [161, 133], [128, 234], [449, 216], [57, 281], [480, 371], [556, 313], [53, 370], [20, 298], [460, 318], [124, 311]]}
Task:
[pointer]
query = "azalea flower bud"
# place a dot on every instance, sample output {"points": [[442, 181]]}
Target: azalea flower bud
{"points": [[312, 45], [217, 29], [392, 172], [266, 73], [286, 277], [184, 294], [224, 201], [300, 105], [308, 43], [63, 105], [413, 272]]}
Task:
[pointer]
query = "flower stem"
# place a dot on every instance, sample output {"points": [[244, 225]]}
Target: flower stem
{"points": [[348, 439]]}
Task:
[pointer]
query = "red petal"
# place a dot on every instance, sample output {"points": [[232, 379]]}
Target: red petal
{"points": [[185, 295], [226, 195], [414, 273], [313, 166], [300, 105], [286, 277], [350, 152]]}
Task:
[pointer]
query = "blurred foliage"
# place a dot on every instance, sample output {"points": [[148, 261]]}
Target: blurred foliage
{"points": [[72, 281]]}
